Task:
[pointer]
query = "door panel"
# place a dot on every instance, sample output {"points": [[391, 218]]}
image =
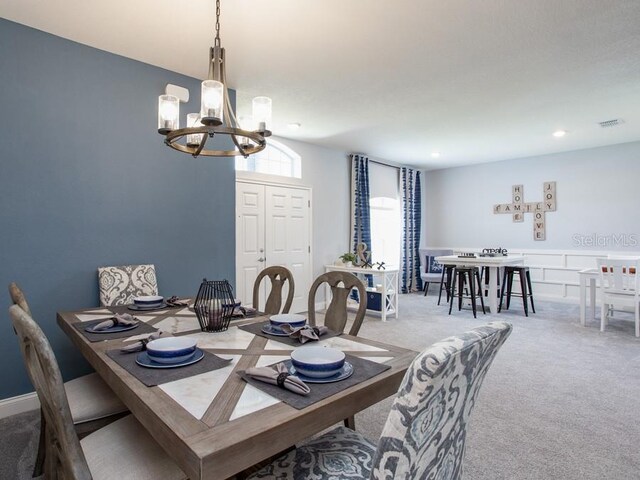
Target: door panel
{"points": [[287, 240], [249, 238]]}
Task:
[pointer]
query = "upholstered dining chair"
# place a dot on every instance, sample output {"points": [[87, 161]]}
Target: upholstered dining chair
{"points": [[425, 433], [341, 284], [91, 402], [278, 277], [433, 272], [122, 450], [118, 285]]}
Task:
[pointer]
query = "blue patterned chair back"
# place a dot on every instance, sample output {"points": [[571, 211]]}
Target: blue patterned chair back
{"points": [[425, 433], [118, 285]]}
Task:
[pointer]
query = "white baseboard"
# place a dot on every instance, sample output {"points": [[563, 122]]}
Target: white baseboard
{"points": [[19, 404]]}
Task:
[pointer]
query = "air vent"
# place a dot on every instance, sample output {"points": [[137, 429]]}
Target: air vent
{"points": [[611, 123]]}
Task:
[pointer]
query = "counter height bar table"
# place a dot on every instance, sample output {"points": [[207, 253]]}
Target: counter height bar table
{"points": [[214, 425], [493, 263]]}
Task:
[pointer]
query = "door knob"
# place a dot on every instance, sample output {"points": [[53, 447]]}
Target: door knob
{"points": [[261, 259]]}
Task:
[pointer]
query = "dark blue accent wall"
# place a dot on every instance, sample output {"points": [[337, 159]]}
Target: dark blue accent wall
{"points": [[86, 181]]}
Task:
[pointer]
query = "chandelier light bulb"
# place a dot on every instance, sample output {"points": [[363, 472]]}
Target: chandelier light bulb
{"points": [[168, 113], [262, 113], [193, 120], [212, 98]]}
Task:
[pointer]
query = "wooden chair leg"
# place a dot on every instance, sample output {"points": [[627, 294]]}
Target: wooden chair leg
{"points": [[51, 460], [350, 422], [38, 468]]}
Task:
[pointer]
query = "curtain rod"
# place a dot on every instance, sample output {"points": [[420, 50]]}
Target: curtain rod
{"points": [[378, 161]]}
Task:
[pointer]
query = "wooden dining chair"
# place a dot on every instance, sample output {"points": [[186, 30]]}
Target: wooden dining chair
{"points": [[278, 277], [92, 403], [118, 285], [426, 430], [341, 284], [122, 450]]}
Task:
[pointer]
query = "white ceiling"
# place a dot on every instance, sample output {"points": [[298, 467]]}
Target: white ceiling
{"points": [[476, 80]]}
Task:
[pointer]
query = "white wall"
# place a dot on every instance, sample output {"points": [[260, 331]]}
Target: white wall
{"points": [[327, 172], [598, 193]]}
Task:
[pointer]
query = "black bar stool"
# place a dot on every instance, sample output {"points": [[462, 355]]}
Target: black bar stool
{"points": [[463, 276], [526, 292]]}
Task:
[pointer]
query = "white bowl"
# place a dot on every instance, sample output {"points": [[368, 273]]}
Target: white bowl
{"points": [[146, 300], [317, 362], [171, 349]]}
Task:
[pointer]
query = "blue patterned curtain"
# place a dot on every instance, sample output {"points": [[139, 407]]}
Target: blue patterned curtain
{"points": [[361, 213], [411, 213]]}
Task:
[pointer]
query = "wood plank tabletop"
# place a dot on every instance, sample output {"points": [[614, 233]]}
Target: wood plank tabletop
{"points": [[214, 424]]}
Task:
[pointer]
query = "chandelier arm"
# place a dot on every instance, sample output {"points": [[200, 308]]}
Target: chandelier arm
{"points": [[228, 111], [200, 147], [238, 146]]}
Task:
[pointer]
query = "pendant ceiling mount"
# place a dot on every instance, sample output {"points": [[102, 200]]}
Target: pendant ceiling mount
{"points": [[216, 117]]}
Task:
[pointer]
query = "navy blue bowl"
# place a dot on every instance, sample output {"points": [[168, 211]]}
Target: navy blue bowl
{"points": [[170, 349], [317, 362], [292, 319]]}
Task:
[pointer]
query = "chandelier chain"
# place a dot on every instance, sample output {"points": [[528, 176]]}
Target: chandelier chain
{"points": [[217, 39]]}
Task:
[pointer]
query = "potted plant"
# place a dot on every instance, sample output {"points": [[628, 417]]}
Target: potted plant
{"points": [[347, 259]]}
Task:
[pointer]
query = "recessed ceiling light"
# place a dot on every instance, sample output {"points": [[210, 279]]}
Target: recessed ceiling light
{"points": [[559, 133], [294, 126], [435, 154]]}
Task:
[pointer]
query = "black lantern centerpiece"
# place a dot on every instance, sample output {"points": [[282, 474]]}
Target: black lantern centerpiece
{"points": [[214, 305]]}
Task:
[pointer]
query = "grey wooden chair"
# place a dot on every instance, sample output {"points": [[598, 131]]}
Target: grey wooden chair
{"points": [[118, 285], [341, 284], [91, 402], [425, 433], [122, 450], [278, 277]]}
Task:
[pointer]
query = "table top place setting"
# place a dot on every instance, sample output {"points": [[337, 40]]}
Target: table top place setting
{"points": [[207, 375]]}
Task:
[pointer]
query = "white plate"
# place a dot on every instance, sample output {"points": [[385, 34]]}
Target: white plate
{"points": [[345, 372], [144, 361]]}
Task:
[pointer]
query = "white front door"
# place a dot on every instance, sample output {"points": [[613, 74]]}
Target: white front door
{"points": [[273, 228]]}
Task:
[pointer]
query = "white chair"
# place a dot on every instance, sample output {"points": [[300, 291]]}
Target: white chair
{"points": [[122, 450], [426, 430], [118, 285], [620, 284], [91, 402]]}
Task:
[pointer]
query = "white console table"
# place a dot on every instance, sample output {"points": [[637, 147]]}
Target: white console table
{"points": [[387, 278]]}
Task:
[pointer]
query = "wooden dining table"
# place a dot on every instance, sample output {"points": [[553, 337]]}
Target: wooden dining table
{"points": [[215, 425]]}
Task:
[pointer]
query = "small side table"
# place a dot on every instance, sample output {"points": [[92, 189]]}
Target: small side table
{"points": [[387, 278]]}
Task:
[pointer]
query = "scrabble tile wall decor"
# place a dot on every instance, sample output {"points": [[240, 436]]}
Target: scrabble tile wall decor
{"points": [[518, 207]]}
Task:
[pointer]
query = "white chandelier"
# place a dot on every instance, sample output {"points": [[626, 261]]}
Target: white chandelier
{"points": [[216, 116]]}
